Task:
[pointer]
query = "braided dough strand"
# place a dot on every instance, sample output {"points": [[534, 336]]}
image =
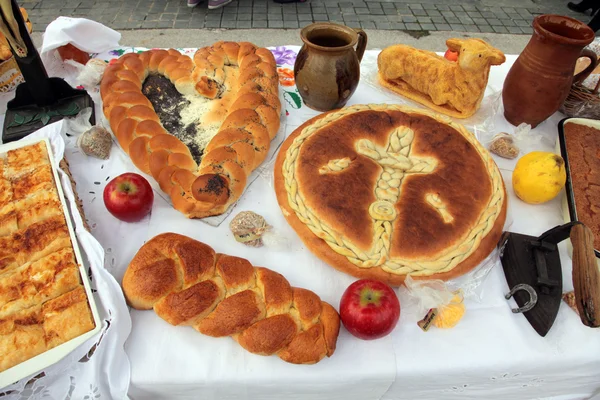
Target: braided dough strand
{"points": [[249, 109], [187, 283]]}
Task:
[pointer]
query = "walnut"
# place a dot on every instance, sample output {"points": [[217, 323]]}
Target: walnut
{"points": [[95, 142], [504, 146], [248, 227]]}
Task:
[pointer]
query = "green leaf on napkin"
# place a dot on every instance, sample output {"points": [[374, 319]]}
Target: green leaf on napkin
{"points": [[293, 99]]}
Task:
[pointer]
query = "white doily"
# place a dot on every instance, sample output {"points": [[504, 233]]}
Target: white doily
{"points": [[99, 368]]}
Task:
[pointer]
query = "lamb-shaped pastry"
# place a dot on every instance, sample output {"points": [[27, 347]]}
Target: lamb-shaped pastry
{"points": [[449, 87]]}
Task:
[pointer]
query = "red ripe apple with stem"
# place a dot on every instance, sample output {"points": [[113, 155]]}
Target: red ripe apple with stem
{"points": [[369, 309], [128, 197]]}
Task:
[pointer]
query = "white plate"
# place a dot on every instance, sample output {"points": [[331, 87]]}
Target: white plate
{"points": [[46, 359]]}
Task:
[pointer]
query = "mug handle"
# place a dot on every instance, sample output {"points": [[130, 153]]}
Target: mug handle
{"points": [[362, 44], [586, 72]]}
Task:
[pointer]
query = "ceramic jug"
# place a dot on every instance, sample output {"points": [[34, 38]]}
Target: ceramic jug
{"points": [[327, 69], [541, 78]]}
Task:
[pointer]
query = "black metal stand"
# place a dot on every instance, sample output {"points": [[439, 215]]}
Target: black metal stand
{"points": [[40, 100]]}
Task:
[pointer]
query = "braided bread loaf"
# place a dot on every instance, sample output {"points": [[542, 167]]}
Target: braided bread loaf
{"points": [[187, 283], [246, 102]]}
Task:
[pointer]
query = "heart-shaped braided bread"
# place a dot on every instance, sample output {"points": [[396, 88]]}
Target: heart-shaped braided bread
{"points": [[246, 102], [187, 283]]}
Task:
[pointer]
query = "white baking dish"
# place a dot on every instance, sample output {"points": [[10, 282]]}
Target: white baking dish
{"points": [[44, 360]]}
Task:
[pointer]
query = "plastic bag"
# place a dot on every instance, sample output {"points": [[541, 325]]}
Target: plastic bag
{"points": [[91, 74], [435, 303]]}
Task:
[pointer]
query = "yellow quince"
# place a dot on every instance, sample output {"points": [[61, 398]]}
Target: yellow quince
{"points": [[538, 177]]}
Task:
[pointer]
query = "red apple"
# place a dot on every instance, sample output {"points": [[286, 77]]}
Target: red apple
{"points": [[451, 55], [369, 309], [128, 197]]}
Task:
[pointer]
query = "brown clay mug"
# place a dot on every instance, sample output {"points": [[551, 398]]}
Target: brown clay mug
{"points": [[327, 69], [541, 78]]}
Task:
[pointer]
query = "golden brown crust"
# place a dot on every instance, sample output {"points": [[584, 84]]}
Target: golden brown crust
{"points": [[375, 126], [42, 301], [37, 329], [254, 305], [249, 107], [455, 88]]}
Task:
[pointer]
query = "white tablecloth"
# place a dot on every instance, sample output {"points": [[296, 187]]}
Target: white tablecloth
{"points": [[492, 353]]}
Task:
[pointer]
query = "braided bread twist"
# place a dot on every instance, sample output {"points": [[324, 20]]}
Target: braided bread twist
{"points": [[247, 103], [187, 283]]}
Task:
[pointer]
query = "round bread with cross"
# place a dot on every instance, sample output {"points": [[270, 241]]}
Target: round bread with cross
{"points": [[385, 191]]}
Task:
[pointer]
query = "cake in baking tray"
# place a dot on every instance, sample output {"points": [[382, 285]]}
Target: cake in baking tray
{"points": [[42, 300], [385, 191], [583, 154]]}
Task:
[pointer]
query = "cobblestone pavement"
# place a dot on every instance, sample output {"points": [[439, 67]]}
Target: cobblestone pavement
{"points": [[505, 16]]}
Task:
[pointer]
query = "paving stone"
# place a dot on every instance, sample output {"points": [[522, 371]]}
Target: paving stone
{"points": [[443, 27], [413, 27], [383, 25], [212, 24], [506, 16], [196, 24], [514, 29], [290, 24], [367, 25], [275, 24], [164, 24], [458, 27]]}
